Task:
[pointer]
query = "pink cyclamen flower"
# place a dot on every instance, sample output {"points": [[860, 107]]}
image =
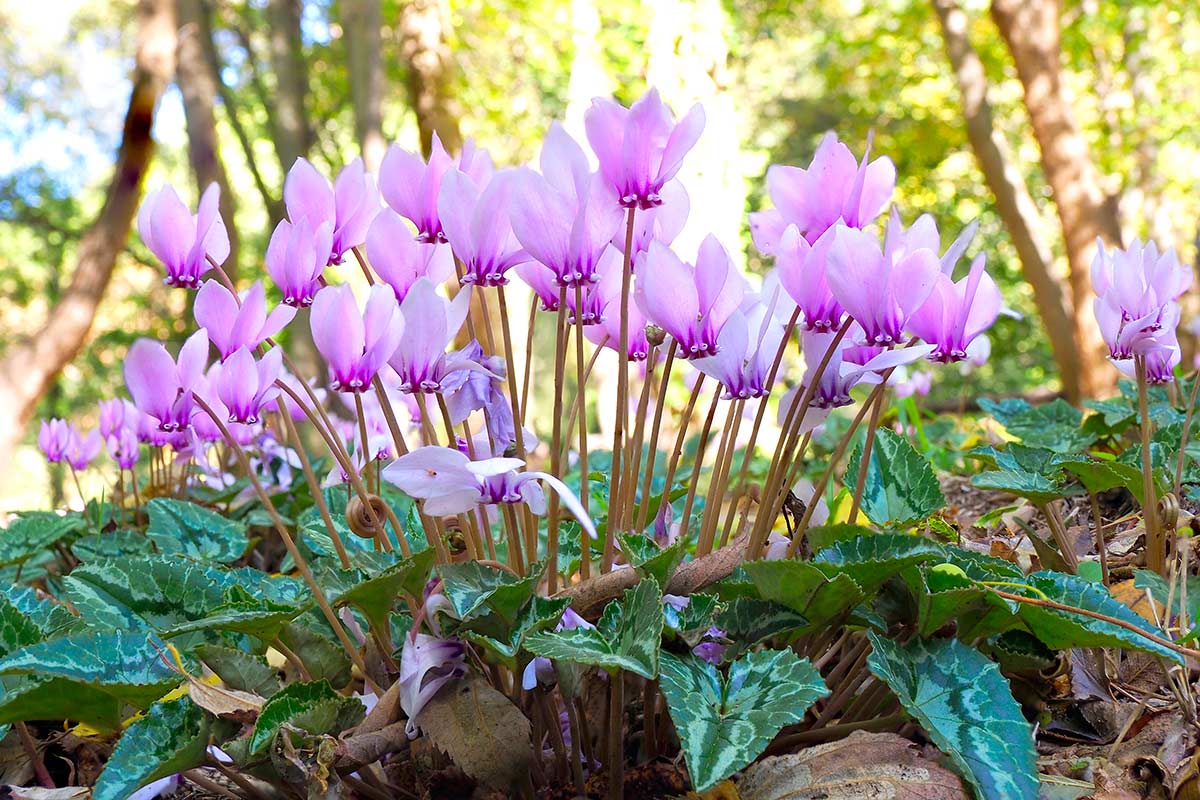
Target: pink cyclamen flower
{"points": [[880, 289], [955, 313], [476, 223], [183, 243], [296, 258], [690, 303], [162, 386], [1162, 355], [1139, 281], [662, 223], [1127, 338], [642, 147], [124, 448], [917, 384], [399, 259], [565, 217], [426, 665], [602, 310], [544, 283], [245, 385], [349, 205], [431, 323], [801, 270], [835, 188], [55, 438], [232, 325], [843, 373], [410, 185], [747, 347], [83, 449], [451, 483], [356, 344], [116, 414]]}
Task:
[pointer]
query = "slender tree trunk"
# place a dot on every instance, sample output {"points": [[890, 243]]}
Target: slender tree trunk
{"points": [[424, 27], [198, 85], [362, 22], [1015, 206], [28, 368], [293, 134], [1085, 212]]}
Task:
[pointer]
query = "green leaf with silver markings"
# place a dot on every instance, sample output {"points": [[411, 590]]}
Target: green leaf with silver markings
{"points": [[178, 527], [901, 488], [170, 738]]}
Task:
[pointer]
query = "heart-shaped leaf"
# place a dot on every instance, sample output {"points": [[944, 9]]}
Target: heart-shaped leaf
{"points": [[818, 594], [312, 707], [871, 560], [30, 534], [901, 488], [170, 738], [725, 722]]}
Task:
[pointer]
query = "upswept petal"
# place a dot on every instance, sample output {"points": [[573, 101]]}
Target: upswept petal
{"points": [[308, 195]]}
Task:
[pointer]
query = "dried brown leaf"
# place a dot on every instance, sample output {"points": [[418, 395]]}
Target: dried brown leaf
{"points": [[232, 704], [863, 765], [482, 731], [65, 793]]}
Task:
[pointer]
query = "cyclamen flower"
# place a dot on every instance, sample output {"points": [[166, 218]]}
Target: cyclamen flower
{"points": [[747, 347], [411, 186], [116, 414], [662, 223], [1127, 338], [184, 243], [124, 448], [477, 386], [880, 289], [543, 281], [426, 665], [54, 439], [690, 303], [842, 374], [356, 344], [916, 384], [712, 648], [801, 270], [432, 322], [955, 313], [835, 188], [399, 259], [476, 223], [565, 217], [83, 450], [349, 205], [297, 256], [642, 147], [231, 325], [160, 385], [1162, 355], [602, 310], [451, 483], [1138, 281], [245, 385]]}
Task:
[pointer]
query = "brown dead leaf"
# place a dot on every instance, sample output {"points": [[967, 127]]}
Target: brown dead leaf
{"points": [[243, 707], [482, 731], [65, 793], [862, 765], [1137, 599]]}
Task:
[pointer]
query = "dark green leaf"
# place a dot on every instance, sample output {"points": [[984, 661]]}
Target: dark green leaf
{"points": [[504, 641], [871, 560], [31, 534], [965, 705], [901, 488], [170, 738], [651, 561], [313, 707], [111, 545], [375, 596], [691, 621], [474, 589], [819, 595], [724, 723], [183, 528], [748, 621], [240, 670]]}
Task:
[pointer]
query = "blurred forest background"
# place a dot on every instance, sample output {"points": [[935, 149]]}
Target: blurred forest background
{"points": [[1051, 123]]}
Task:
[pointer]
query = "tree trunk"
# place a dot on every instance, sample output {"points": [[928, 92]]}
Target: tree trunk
{"points": [[198, 85], [28, 368], [1085, 212], [423, 31], [362, 22], [293, 135], [1015, 206]]}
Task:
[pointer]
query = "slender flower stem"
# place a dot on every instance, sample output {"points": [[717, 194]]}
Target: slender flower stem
{"points": [[314, 486], [655, 427], [223, 276], [615, 521], [634, 455], [389, 416], [1101, 545], [305, 573], [556, 445], [764, 403], [698, 464], [718, 479], [676, 452], [78, 487], [1156, 550], [581, 398], [528, 526], [1183, 437], [365, 451], [864, 462], [574, 413], [533, 315], [362, 262]]}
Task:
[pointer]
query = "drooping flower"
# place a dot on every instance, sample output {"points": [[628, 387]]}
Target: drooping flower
{"points": [[451, 483], [399, 259], [565, 217], [801, 270], [349, 205], [662, 223], [161, 386], [690, 303], [182, 242], [83, 449], [642, 147], [843, 371], [432, 322], [124, 448], [116, 414], [426, 665], [1127, 338], [356, 344], [411, 186], [245, 385], [1139, 281], [476, 223], [917, 384], [880, 289], [540, 671], [473, 388], [231, 325], [747, 347], [296, 258], [835, 188], [713, 646], [955, 313], [54, 439], [542, 280]]}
